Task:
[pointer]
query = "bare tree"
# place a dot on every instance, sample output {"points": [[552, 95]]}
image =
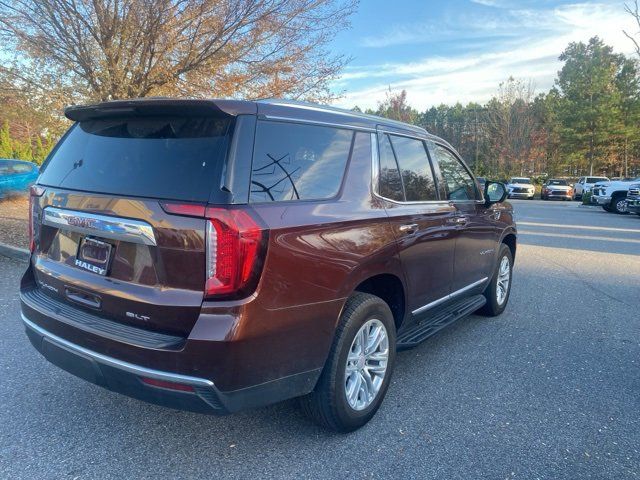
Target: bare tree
{"points": [[110, 49], [634, 10], [511, 122]]}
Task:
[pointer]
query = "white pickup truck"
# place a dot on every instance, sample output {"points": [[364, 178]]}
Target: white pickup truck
{"points": [[585, 184], [612, 195]]}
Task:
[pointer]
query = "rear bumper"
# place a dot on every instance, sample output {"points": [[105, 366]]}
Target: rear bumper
{"points": [[195, 393], [124, 377]]}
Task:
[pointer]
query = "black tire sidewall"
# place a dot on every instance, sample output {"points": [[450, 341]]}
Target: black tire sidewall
{"points": [[614, 205], [350, 418], [490, 294]]}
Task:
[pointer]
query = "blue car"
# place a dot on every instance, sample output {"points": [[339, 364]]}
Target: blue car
{"points": [[16, 176]]}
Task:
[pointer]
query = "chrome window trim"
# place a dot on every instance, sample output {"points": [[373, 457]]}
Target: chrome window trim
{"points": [[114, 228], [318, 123], [375, 173], [401, 134], [114, 362], [452, 295]]}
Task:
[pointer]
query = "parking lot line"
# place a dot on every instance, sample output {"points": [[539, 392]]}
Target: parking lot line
{"points": [[583, 227], [562, 235]]}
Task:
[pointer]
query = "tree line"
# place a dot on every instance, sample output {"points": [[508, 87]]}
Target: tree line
{"points": [[587, 124], [62, 52]]}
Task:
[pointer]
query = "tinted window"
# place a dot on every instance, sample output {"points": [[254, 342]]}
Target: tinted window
{"points": [[557, 182], [390, 185], [458, 182], [173, 158], [416, 169], [520, 180], [298, 162]]}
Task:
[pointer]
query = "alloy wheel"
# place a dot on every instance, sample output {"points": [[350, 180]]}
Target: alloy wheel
{"points": [[504, 277], [366, 364]]}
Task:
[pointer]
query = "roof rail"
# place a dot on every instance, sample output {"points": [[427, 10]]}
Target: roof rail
{"points": [[342, 111]]}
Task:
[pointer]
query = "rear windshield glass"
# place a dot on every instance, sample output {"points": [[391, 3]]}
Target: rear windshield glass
{"points": [[172, 158], [596, 179]]}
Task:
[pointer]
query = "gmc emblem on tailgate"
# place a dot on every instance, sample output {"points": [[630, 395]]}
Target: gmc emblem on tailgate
{"points": [[81, 222]]}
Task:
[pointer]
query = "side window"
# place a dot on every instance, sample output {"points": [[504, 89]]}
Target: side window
{"points": [[21, 168], [458, 182], [417, 175], [390, 185], [298, 162]]}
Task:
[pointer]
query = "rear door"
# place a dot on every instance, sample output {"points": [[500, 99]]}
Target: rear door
{"points": [[475, 223], [105, 239], [421, 221]]}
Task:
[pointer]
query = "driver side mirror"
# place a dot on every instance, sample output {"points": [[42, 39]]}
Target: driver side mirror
{"points": [[494, 192]]}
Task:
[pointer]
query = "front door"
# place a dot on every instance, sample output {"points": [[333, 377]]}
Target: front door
{"points": [[421, 220], [477, 235]]}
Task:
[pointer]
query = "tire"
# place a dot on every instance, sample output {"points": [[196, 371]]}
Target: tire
{"points": [[618, 204], [607, 208], [328, 404], [494, 306]]}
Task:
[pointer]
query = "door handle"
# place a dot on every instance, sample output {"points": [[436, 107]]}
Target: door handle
{"points": [[409, 228], [458, 221]]}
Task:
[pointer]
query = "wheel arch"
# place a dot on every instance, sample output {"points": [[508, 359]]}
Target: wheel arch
{"points": [[390, 289], [510, 240]]}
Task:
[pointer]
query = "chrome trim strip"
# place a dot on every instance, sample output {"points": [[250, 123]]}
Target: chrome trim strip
{"points": [[115, 228], [115, 363], [435, 303], [413, 135], [375, 174], [316, 122]]}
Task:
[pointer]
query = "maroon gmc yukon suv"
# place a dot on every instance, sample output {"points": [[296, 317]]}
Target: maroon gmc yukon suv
{"points": [[216, 255]]}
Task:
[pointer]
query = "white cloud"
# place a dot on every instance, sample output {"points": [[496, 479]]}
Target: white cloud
{"points": [[531, 53], [488, 3]]}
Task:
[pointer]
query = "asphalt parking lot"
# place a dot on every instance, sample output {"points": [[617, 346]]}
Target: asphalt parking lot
{"points": [[549, 390]]}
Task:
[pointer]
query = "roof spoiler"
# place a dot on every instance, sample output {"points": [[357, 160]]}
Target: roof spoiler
{"points": [[151, 107]]}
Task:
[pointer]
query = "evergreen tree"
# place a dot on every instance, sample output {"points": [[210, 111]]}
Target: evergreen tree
{"points": [[590, 110]]}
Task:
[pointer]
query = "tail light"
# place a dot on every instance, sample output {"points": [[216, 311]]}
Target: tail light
{"points": [[235, 247], [34, 193]]}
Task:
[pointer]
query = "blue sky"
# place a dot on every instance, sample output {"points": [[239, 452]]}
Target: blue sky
{"points": [[460, 50]]}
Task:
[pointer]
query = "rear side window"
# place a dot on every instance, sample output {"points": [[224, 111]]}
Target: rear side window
{"points": [[298, 162], [390, 184], [458, 181], [416, 169], [177, 158]]}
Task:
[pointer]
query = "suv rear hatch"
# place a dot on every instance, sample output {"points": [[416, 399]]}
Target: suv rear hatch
{"points": [[119, 211]]}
